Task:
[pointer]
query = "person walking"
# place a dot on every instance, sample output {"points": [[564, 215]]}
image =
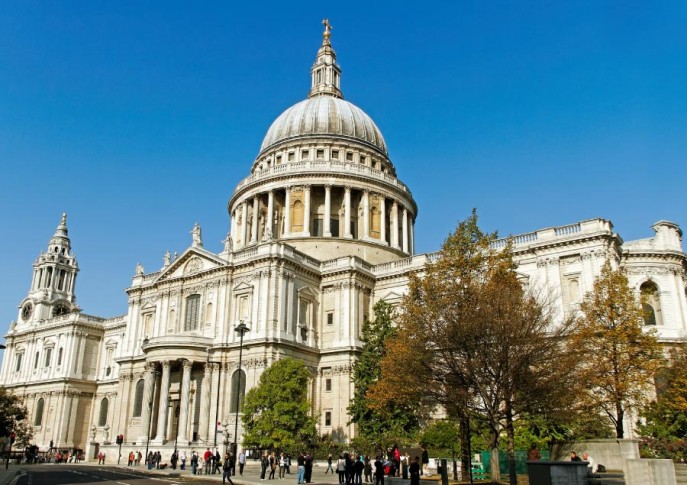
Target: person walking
{"points": [[194, 462], [341, 469], [242, 461], [183, 460], [282, 465], [379, 470], [368, 469], [264, 463], [301, 468], [273, 465], [227, 466], [217, 462], [329, 465]]}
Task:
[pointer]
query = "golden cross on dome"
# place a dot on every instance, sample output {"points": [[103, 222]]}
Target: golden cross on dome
{"points": [[327, 32]]}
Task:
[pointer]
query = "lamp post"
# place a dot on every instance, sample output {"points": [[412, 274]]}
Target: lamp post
{"points": [[241, 329], [219, 382]]}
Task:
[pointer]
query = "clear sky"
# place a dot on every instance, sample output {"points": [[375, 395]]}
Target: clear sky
{"points": [[139, 118]]}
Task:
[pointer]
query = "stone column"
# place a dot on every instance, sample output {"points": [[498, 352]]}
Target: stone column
{"points": [[164, 404], [146, 408], [366, 214], [412, 235], [205, 405], [306, 211], [269, 224], [244, 224], [184, 402], [347, 212], [382, 208], [256, 214], [405, 230], [210, 426], [327, 232], [287, 214], [394, 225]]}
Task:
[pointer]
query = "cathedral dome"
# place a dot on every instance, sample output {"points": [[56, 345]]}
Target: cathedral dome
{"points": [[324, 115]]}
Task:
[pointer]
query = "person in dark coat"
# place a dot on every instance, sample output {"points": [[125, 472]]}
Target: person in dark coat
{"points": [[414, 470], [379, 470]]}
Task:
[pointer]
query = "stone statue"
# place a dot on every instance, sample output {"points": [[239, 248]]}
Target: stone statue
{"points": [[166, 259], [267, 235], [197, 236], [228, 243], [139, 269]]}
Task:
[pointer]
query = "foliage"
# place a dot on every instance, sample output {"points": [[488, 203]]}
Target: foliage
{"points": [[619, 358], [441, 437], [13, 415], [664, 421], [475, 342], [276, 413], [326, 445], [395, 422]]}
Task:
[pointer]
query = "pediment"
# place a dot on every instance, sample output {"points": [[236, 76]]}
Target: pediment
{"points": [[193, 261], [392, 297], [243, 286], [307, 292]]}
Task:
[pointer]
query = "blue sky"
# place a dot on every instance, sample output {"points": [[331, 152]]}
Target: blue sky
{"points": [[139, 118]]}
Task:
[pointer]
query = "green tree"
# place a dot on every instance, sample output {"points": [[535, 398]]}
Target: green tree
{"points": [[276, 413], [474, 342], [619, 359], [395, 422], [664, 421], [13, 416]]}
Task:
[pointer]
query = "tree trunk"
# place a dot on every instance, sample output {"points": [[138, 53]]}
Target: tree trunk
{"points": [[619, 426], [495, 470], [510, 430], [465, 445]]}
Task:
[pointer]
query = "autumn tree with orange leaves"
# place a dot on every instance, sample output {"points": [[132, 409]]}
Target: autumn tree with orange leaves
{"points": [[472, 340]]}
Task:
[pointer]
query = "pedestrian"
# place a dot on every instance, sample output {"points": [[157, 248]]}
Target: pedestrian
{"points": [[358, 468], [282, 465], [414, 470], [131, 458], [183, 460], [173, 460], [301, 468], [379, 470], [242, 461], [217, 462], [227, 467], [329, 465], [264, 463], [425, 461], [100, 458], [368, 469], [307, 467], [533, 453], [139, 456], [207, 461], [273, 465], [158, 459], [150, 459], [288, 464], [341, 469], [194, 462]]}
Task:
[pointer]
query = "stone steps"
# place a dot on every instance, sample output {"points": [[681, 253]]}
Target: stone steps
{"points": [[613, 477], [680, 474]]}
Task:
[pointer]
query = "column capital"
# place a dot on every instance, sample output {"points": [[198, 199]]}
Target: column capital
{"points": [[187, 364]]}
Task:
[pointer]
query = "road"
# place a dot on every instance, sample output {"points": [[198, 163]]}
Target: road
{"points": [[102, 475]]}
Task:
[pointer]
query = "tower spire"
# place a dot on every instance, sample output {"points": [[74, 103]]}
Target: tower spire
{"points": [[325, 72]]}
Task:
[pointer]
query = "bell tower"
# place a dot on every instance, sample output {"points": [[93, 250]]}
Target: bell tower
{"points": [[54, 278]]}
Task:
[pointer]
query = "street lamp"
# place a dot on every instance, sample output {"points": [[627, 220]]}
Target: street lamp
{"points": [[241, 329], [219, 382]]}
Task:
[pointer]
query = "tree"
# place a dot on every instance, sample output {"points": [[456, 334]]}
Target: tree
{"points": [[441, 437], [276, 413], [394, 422], [472, 341], [664, 424], [619, 359], [13, 416]]}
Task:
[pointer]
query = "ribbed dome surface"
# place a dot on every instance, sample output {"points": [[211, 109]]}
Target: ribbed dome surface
{"points": [[324, 115]]}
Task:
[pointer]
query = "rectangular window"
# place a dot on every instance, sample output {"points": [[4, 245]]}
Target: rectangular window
{"points": [[328, 418], [278, 159], [328, 385], [349, 156], [334, 227], [330, 318], [335, 154], [317, 227], [290, 157], [35, 362], [192, 310], [305, 154], [17, 367], [48, 356], [320, 153]]}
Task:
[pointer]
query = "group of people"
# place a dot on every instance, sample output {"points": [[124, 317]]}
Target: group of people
{"points": [[271, 463], [352, 467], [593, 467]]}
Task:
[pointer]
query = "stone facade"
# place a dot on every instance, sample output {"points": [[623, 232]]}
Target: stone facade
{"points": [[321, 229]]}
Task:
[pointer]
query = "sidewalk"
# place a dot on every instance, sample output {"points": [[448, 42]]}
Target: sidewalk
{"points": [[251, 474], [6, 476]]}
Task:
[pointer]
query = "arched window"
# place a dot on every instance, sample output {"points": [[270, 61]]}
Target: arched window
{"points": [[651, 303], [138, 399], [192, 310], [38, 418], [297, 216], [236, 392], [208, 313], [102, 418]]}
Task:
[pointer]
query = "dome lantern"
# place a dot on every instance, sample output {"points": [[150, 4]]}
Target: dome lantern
{"points": [[326, 73]]}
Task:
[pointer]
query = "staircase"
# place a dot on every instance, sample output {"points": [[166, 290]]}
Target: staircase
{"points": [[681, 474], [611, 477]]}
